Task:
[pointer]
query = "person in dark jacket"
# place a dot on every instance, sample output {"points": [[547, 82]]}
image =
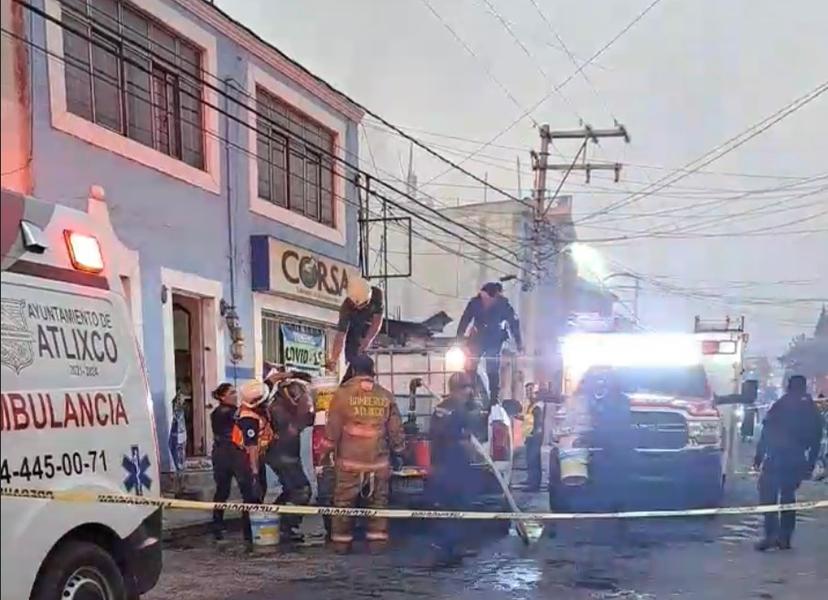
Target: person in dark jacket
{"points": [[610, 435], [229, 461], [289, 413], [786, 454], [533, 435], [451, 484], [360, 319], [490, 314]]}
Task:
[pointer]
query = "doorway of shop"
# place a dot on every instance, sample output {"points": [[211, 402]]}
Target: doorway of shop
{"points": [[188, 338]]}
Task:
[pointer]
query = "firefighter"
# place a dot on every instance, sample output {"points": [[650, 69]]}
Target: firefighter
{"points": [[252, 431], [360, 319], [289, 414], [229, 461], [533, 436], [787, 452], [488, 312], [364, 430], [451, 484]]}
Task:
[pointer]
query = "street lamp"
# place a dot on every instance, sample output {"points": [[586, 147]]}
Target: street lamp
{"points": [[588, 261]]}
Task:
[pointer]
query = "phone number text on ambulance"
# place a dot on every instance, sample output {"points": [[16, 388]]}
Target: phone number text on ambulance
{"points": [[49, 466]]}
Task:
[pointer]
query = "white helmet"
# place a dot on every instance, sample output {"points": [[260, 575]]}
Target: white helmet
{"points": [[359, 291], [253, 393]]}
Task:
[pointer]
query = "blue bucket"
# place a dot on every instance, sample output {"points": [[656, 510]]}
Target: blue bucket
{"points": [[265, 528]]}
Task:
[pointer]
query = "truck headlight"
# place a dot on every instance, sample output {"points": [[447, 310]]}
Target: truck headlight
{"points": [[704, 433]]}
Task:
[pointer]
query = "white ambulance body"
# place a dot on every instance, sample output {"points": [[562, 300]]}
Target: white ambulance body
{"points": [[76, 413], [723, 349]]}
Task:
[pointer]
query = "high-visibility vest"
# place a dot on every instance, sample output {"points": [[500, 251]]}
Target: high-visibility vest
{"points": [[266, 435], [529, 419]]}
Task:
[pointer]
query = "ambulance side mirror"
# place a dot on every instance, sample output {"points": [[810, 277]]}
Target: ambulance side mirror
{"points": [[750, 391], [512, 408], [748, 394]]}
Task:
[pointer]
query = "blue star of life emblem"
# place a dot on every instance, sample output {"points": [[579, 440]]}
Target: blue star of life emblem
{"points": [[136, 466]]}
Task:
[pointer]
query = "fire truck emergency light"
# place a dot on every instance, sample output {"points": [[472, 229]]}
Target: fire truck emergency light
{"points": [[84, 252], [719, 347], [582, 351]]}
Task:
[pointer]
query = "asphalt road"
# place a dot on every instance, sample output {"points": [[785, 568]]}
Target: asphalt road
{"points": [[685, 558]]}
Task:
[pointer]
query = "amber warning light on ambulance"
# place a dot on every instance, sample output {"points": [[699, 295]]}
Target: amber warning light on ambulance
{"points": [[84, 252], [719, 347]]}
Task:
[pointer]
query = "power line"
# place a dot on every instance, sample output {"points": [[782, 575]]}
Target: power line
{"points": [[286, 130], [721, 150], [570, 54], [368, 123], [474, 55], [558, 87], [245, 150], [715, 202], [482, 230]]}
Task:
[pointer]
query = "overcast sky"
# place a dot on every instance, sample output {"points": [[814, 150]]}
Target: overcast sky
{"points": [[689, 76]]}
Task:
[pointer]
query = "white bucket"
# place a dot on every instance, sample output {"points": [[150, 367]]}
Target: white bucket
{"points": [[574, 463], [323, 388], [265, 528]]}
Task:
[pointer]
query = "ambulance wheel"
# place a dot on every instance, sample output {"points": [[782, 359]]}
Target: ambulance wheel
{"points": [[80, 571]]}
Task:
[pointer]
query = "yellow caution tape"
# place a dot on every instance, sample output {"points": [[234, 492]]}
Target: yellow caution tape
{"points": [[86, 496]]}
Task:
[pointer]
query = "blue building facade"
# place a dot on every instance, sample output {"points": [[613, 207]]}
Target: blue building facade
{"points": [[217, 158]]}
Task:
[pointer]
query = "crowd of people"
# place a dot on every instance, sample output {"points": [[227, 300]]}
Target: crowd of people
{"points": [[260, 424]]}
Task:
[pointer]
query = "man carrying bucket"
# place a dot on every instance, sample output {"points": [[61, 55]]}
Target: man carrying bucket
{"points": [[290, 412]]}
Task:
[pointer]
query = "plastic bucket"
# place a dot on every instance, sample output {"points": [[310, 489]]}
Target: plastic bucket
{"points": [[323, 389], [574, 463], [265, 529]]}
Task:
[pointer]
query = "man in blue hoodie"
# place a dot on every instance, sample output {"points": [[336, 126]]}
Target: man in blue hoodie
{"points": [[490, 315]]}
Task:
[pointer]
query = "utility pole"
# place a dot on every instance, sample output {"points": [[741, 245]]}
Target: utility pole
{"points": [[556, 274], [520, 187]]}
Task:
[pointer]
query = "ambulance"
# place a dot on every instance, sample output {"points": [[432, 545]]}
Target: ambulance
{"points": [[76, 413]]}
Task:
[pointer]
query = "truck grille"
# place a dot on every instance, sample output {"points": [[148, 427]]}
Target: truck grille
{"points": [[659, 430]]}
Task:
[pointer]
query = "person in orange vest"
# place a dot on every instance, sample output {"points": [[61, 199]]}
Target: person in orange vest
{"points": [[364, 430], [252, 431]]}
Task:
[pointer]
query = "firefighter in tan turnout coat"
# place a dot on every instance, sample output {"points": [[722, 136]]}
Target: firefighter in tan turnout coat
{"points": [[364, 430]]}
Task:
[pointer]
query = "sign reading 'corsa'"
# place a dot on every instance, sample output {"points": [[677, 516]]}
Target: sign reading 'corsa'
{"points": [[283, 269]]}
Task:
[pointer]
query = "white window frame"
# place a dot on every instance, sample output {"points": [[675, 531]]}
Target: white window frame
{"points": [[208, 179], [257, 77]]}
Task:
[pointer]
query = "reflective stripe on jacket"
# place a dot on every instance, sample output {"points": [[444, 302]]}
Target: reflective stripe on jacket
{"points": [[265, 433]]}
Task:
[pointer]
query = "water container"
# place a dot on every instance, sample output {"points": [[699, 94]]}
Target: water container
{"points": [[265, 529], [574, 463], [323, 388]]}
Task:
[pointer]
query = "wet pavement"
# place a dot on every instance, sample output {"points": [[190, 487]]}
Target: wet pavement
{"points": [[687, 558]]}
